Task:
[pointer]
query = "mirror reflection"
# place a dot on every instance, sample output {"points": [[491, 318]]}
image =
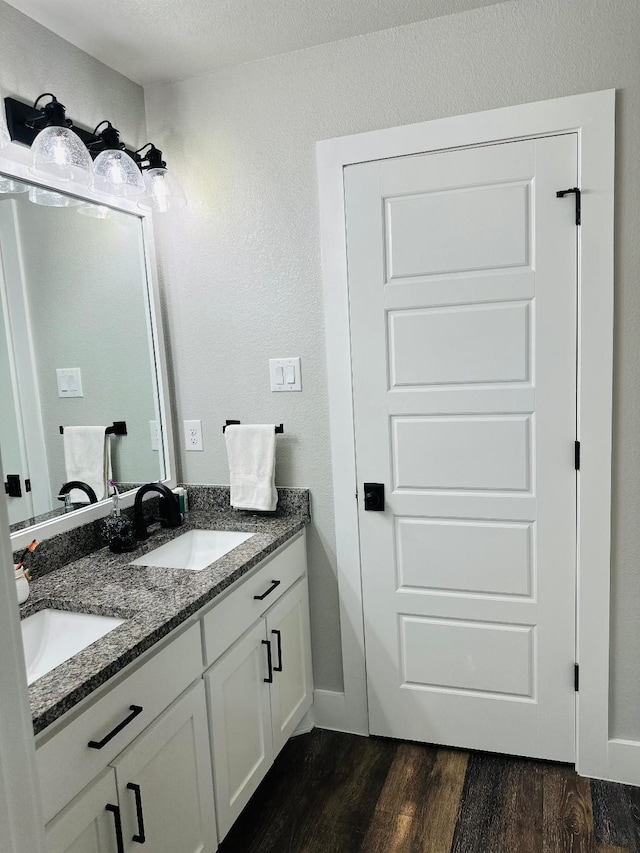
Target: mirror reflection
{"points": [[76, 353]]}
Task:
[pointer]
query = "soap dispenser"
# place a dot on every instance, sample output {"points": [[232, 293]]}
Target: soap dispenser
{"points": [[117, 529]]}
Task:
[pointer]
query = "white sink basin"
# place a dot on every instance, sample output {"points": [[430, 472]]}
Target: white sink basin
{"points": [[194, 550], [50, 637]]}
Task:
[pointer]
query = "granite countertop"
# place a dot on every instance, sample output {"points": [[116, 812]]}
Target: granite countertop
{"points": [[153, 601]]}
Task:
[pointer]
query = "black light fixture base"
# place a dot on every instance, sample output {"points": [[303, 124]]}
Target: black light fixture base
{"points": [[19, 115]]}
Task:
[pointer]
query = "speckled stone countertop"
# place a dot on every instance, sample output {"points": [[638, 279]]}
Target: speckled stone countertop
{"points": [[153, 601]]}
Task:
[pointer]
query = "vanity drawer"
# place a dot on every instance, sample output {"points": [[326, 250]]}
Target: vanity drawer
{"points": [[235, 614], [66, 763]]}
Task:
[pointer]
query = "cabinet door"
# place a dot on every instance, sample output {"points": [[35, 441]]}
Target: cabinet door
{"points": [[164, 782], [86, 825], [240, 724], [292, 688]]}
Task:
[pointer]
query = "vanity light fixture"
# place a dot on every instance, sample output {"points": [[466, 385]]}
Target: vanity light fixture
{"points": [[64, 151], [114, 171], [162, 190], [57, 152]]}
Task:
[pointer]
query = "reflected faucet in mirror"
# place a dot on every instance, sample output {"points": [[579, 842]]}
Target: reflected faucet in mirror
{"points": [[170, 515], [65, 494]]}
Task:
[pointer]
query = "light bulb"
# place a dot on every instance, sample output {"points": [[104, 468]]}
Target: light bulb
{"points": [[58, 152], [163, 192], [114, 172]]}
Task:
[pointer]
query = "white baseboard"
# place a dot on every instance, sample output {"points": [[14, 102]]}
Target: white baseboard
{"points": [[306, 724], [624, 761]]}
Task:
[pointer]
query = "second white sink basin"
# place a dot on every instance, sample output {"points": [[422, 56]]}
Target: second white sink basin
{"points": [[50, 637], [194, 550]]}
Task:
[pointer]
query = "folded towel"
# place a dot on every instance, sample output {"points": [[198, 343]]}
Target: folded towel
{"points": [[87, 457], [251, 449]]}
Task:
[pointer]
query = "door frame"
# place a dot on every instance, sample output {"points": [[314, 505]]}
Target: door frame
{"points": [[592, 117]]}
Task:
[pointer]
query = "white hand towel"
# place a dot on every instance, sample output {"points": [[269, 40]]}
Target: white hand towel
{"points": [[251, 449], [87, 457]]}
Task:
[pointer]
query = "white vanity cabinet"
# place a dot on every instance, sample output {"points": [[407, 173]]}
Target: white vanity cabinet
{"points": [[87, 825], [261, 686], [158, 792], [133, 765]]}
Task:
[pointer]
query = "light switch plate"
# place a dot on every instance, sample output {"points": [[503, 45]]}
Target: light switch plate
{"points": [[69, 382], [155, 435], [285, 374], [193, 435]]}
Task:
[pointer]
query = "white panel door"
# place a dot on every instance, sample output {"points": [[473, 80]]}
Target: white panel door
{"points": [[462, 289]]}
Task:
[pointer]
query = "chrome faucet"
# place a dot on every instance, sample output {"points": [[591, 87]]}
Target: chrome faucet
{"points": [[170, 515]]}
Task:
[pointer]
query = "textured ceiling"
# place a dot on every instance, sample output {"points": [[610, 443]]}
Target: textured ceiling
{"points": [[161, 40]]}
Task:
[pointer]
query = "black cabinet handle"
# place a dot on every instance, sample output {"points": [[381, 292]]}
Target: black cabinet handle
{"points": [[98, 744], [269, 678], [140, 836], [118, 823], [274, 584], [279, 639]]}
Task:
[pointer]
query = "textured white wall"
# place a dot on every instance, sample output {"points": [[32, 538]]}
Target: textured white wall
{"points": [[241, 263]]}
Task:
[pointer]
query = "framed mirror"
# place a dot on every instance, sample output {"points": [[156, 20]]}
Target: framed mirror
{"points": [[80, 346]]}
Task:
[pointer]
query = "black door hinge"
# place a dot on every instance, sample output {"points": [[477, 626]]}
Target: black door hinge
{"points": [[576, 677], [578, 194], [576, 455]]}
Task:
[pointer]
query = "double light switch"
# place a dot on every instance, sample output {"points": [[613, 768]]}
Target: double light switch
{"points": [[285, 374]]}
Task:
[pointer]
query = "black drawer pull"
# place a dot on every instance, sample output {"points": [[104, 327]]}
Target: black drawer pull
{"points": [[269, 678], [274, 584], [279, 638], [140, 837], [98, 744], [118, 822]]}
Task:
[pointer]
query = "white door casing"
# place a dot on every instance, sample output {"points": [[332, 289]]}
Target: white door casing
{"points": [[592, 117], [462, 287]]}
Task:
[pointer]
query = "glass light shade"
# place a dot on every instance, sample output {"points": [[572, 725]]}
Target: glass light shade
{"points": [[58, 152], [162, 192], [96, 211], [114, 172], [10, 185], [49, 198]]}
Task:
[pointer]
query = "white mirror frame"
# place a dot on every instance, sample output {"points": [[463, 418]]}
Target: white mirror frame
{"points": [[13, 162]]}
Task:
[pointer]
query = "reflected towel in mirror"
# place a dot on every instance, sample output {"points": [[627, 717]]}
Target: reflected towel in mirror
{"points": [[87, 457]]}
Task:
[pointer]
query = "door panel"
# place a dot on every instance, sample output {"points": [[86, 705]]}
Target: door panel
{"points": [[462, 289], [85, 825]]}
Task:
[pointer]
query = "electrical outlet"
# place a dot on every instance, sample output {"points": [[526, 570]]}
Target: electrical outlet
{"points": [[193, 435]]}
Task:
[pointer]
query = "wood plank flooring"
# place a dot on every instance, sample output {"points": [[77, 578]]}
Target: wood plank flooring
{"points": [[334, 793]]}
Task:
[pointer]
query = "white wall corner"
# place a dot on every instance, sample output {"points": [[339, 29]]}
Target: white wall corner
{"points": [[330, 710]]}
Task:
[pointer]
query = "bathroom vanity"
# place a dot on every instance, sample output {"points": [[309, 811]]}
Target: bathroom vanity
{"points": [[160, 732]]}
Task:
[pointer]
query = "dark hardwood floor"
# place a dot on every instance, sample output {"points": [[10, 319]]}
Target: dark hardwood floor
{"points": [[335, 793]]}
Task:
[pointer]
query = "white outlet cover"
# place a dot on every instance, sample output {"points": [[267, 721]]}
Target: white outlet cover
{"points": [[193, 435], [285, 374]]}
